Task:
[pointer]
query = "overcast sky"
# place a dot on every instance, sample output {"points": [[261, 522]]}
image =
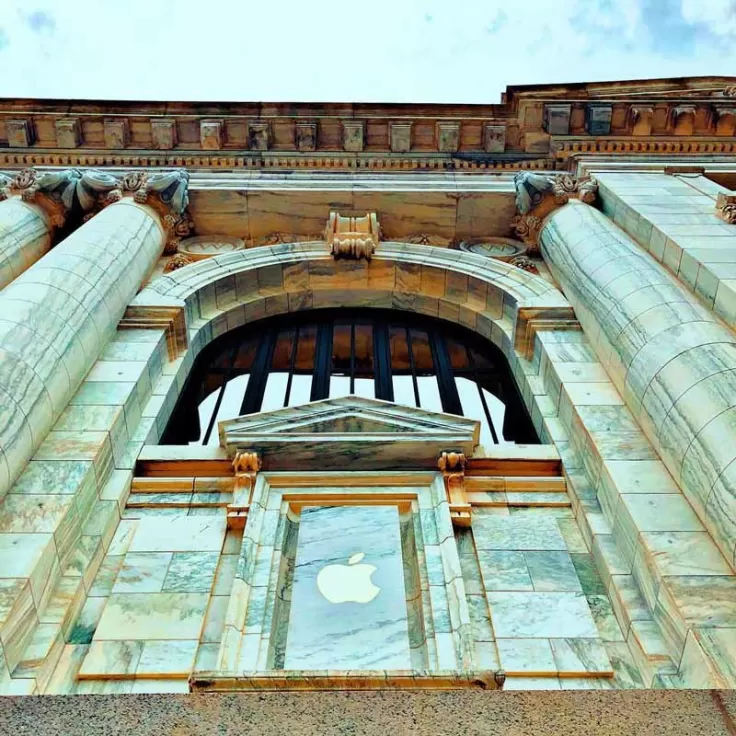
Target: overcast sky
{"points": [[351, 50]]}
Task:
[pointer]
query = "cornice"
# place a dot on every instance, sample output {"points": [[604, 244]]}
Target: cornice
{"points": [[533, 128]]}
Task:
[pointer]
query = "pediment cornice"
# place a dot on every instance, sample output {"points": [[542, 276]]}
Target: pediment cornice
{"points": [[349, 433]]}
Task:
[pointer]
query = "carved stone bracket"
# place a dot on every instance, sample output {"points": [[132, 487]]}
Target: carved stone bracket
{"points": [[353, 237], [246, 465], [538, 195], [726, 208], [452, 466]]}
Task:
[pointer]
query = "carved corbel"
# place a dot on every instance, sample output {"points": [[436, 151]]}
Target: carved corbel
{"points": [[538, 195], [642, 119], [246, 465], [682, 119], [726, 208], [353, 237], [178, 261], [452, 467]]}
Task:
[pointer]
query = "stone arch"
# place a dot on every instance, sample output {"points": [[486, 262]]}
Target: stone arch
{"points": [[490, 297]]}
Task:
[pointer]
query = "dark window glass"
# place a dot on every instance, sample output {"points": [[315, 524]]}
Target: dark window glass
{"points": [[288, 361]]}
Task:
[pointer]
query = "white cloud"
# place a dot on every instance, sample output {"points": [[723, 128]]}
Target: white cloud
{"points": [[387, 50]]}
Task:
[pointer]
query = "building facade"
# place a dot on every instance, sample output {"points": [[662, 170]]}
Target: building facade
{"points": [[370, 397]]}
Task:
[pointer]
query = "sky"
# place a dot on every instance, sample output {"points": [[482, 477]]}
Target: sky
{"points": [[351, 50]]}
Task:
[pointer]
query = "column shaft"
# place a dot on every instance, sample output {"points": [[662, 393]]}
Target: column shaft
{"points": [[25, 235], [57, 316], [672, 360]]}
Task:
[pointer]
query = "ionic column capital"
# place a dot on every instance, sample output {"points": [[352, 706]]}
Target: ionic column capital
{"points": [[538, 195], [166, 192], [51, 191], [58, 193]]}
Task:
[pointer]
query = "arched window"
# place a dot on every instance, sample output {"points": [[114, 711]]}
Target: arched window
{"points": [[395, 356]]}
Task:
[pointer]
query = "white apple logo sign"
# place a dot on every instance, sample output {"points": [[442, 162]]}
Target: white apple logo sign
{"points": [[349, 583]]}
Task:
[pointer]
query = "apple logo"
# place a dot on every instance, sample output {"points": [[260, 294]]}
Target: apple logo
{"points": [[349, 583]]}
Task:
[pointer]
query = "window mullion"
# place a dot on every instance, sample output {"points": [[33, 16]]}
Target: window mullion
{"points": [[382, 359], [322, 362], [445, 379]]}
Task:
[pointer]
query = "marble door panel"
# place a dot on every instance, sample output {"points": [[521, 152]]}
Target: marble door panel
{"points": [[306, 594], [348, 604]]}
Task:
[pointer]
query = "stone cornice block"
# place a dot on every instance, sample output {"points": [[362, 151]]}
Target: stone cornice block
{"points": [[20, 133], [211, 135], [163, 134], [598, 118], [556, 119], [259, 136], [494, 138], [116, 133], [641, 119], [725, 119], [448, 137], [68, 132], [305, 136], [400, 137], [681, 119], [353, 135]]}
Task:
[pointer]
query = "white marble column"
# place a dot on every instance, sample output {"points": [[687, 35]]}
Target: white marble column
{"points": [[673, 362], [28, 217], [57, 316]]}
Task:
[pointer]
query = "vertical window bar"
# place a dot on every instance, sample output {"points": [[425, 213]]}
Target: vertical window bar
{"points": [[228, 373], [352, 358], [413, 367], [445, 379], [292, 363], [322, 362], [382, 358], [483, 401], [259, 375]]}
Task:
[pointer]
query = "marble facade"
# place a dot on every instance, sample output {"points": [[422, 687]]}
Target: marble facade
{"points": [[602, 558]]}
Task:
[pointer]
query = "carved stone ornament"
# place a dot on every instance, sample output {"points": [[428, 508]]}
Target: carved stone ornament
{"points": [[177, 262], [426, 239], [730, 91], [500, 249], [281, 238], [726, 208], [538, 195], [524, 263], [352, 237], [207, 246], [53, 191], [246, 462], [451, 462]]}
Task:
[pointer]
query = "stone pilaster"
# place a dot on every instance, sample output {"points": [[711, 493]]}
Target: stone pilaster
{"points": [[61, 311], [673, 362]]}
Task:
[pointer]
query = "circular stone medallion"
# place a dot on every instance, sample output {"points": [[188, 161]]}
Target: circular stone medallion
{"points": [[207, 246], [503, 249]]}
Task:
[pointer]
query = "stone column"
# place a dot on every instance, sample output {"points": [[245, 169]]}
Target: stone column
{"points": [[673, 362], [57, 316], [32, 206]]}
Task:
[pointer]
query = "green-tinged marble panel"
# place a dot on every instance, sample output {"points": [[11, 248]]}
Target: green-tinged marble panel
{"points": [[53, 477], [85, 626], [552, 571], [530, 657], [111, 658], [520, 532], [214, 624], [153, 616], [207, 657], [504, 570], [344, 603], [106, 575], [33, 514], [179, 534], [192, 572], [605, 618], [167, 658], [580, 656], [541, 615], [30, 556], [142, 572], [588, 575], [17, 619]]}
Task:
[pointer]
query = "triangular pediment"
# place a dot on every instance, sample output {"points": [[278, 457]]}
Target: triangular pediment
{"points": [[349, 433]]}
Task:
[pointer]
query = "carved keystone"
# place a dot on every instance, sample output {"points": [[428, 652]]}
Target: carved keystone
{"points": [[353, 237]]}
